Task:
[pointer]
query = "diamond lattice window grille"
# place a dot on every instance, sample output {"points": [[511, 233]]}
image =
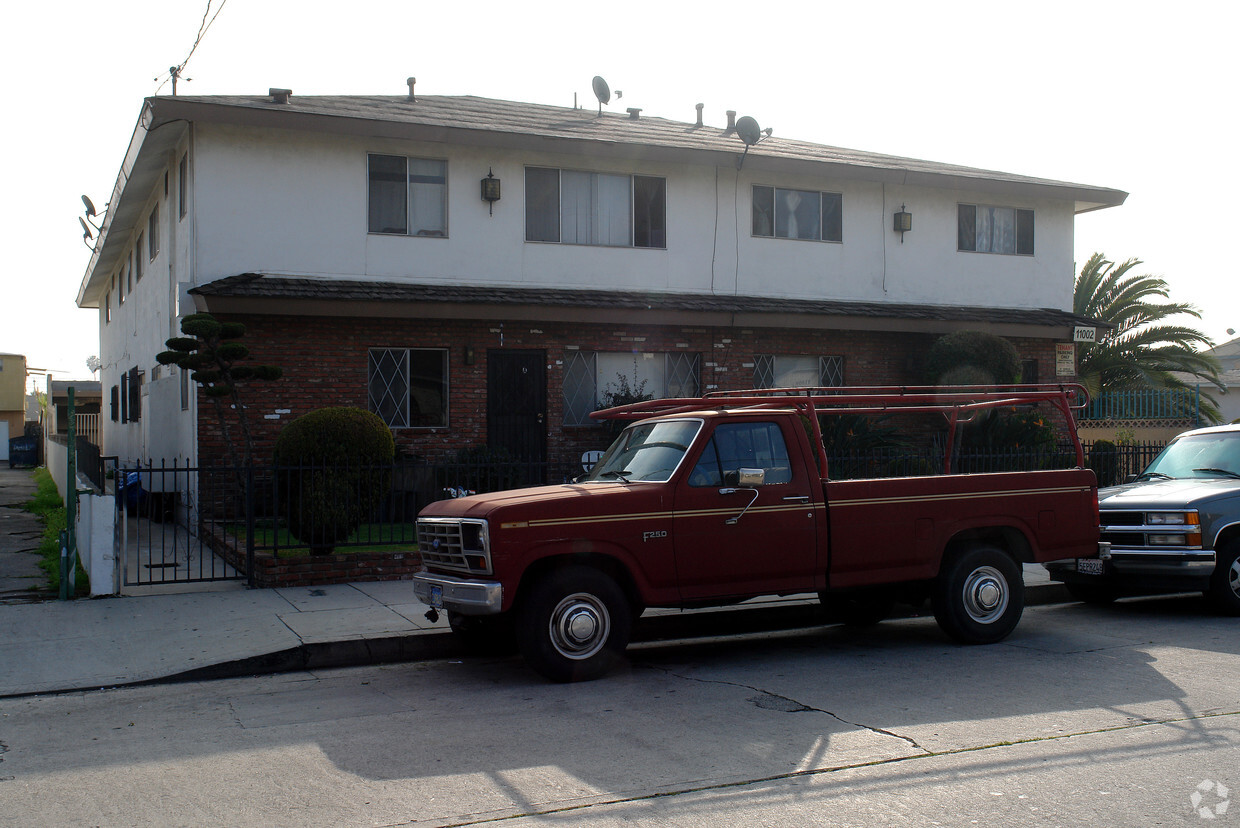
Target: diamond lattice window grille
{"points": [[388, 384], [831, 371], [763, 371], [579, 388], [682, 375]]}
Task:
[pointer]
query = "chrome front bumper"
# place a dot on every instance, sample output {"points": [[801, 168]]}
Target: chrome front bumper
{"points": [[462, 595]]}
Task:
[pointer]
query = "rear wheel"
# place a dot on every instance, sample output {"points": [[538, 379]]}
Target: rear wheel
{"points": [[979, 595], [1224, 591], [574, 624]]}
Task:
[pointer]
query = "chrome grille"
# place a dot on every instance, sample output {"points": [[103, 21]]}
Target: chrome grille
{"points": [[457, 544]]}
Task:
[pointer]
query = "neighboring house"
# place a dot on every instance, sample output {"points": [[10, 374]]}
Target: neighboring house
{"points": [[87, 404], [1228, 355], [358, 240], [12, 400]]}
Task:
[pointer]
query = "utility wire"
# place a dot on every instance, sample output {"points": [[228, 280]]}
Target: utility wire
{"points": [[175, 72]]}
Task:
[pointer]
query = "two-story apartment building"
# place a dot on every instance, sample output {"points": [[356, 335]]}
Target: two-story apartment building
{"points": [[486, 272]]}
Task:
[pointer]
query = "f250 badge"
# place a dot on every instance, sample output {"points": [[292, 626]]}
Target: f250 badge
{"points": [[648, 536]]}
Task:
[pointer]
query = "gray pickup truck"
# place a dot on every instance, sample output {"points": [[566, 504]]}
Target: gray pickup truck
{"points": [[1174, 528]]}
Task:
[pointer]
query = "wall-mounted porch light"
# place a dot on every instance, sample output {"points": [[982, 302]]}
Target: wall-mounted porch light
{"points": [[469, 354], [490, 191], [903, 222]]}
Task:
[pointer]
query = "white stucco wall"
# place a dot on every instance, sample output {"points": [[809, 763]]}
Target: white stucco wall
{"points": [[286, 202]]}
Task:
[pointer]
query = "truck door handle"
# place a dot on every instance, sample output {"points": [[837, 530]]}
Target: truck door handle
{"points": [[797, 499]]}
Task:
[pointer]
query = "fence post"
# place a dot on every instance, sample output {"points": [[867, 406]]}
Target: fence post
{"points": [[249, 525]]}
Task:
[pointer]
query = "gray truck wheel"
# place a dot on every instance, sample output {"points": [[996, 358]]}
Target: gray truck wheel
{"points": [[1224, 592], [979, 595], [574, 624]]}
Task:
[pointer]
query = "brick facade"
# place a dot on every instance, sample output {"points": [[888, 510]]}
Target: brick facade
{"points": [[325, 364]]}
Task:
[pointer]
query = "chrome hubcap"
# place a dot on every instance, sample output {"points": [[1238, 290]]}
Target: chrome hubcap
{"points": [[985, 594], [579, 626], [1233, 576]]}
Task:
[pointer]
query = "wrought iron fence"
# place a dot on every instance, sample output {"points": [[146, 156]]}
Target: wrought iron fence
{"points": [[1146, 404]]}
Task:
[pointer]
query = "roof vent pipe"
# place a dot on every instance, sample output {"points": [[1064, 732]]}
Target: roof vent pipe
{"points": [[699, 108], [731, 122], [412, 82], [634, 112], [280, 96]]}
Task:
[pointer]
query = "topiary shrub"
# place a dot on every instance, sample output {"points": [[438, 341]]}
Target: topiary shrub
{"points": [[336, 470], [972, 358]]}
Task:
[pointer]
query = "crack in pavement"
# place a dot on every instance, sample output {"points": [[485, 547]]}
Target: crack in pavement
{"points": [[773, 701], [480, 819]]}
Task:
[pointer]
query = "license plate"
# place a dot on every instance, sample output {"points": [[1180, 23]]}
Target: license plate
{"points": [[1089, 566], [436, 597]]}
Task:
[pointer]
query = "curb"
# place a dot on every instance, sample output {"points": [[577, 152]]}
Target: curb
{"points": [[427, 646]]}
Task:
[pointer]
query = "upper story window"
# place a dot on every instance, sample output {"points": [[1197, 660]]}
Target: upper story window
{"points": [[408, 196], [572, 207], [798, 214], [137, 262], [152, 235], [183, 186], [983, 229]]}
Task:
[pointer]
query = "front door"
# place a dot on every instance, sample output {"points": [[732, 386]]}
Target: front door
{"points": [[517, 404], [733, 537]]}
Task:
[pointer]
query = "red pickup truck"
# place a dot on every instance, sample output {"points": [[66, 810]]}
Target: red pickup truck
{"points": [[714, 500]]}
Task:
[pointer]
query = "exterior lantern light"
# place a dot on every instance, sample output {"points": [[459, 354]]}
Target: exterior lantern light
{"points": [[903, 222], [490, 191]]}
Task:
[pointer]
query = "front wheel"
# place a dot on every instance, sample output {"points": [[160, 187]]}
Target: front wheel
{"points": [[1224, 591], [979, 595], [574, 624]]}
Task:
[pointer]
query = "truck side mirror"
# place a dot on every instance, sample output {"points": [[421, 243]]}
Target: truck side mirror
{"points": [[750, 478]]}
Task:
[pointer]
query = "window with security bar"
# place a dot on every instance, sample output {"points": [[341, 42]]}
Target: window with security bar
{"points": [[408, 387], [780, 371], [599, 379]]}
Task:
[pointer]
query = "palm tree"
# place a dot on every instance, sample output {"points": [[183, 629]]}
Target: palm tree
{"points": [[1143, 350]]}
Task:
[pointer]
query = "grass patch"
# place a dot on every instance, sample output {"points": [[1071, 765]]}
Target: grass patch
{"points": [[48, 506], [369, 537]]}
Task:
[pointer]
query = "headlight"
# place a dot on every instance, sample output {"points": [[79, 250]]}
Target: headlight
{"points": [[1167, 540], [1168, 518]]}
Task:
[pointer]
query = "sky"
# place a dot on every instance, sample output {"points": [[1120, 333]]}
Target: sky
{"points": [[1135, 95]]}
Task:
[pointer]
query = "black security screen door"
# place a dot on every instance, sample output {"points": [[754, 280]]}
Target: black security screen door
{"points": [[517, 403]]}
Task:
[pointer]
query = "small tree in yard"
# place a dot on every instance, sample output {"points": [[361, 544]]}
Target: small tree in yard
{"points": [[218, 363], [334, 471]]}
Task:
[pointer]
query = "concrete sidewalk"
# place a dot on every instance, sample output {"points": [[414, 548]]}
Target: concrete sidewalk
{"points": [[90, 644]]}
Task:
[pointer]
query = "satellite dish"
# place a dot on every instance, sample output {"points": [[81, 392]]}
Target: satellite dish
{"points": [[601, 91], [90, 207], [85, 229], [747, 130]]}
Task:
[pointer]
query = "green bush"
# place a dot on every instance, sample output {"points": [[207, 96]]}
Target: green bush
{"points": [[337, 471], [972, 358], [1104, 460]]}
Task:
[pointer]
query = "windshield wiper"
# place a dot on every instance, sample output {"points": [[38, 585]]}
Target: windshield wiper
{"points": [[1219, 471], [1152, 475], [623, 475]]}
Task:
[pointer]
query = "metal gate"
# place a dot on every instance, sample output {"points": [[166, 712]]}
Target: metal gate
{"points": [[179, 524]]}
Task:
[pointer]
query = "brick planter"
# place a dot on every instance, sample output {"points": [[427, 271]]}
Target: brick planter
{"points": [[399, 563]]}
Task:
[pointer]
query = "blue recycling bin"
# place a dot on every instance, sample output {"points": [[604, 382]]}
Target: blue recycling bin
{"points": [[23, 451]]}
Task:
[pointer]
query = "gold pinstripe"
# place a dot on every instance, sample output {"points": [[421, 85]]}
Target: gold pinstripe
{"points": [[735, 510], [874, 501]]}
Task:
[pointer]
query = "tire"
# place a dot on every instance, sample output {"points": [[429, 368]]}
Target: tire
{"points": [[574, 624], [979, 595], [1099, 595], [1224, 591], [483, 634]]}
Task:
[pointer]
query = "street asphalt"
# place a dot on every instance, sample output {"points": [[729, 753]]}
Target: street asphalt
{"points": [[225, 630]]}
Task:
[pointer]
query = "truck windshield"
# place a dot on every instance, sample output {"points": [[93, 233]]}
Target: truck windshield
{"points": [[1198, 455], [645, 452]]}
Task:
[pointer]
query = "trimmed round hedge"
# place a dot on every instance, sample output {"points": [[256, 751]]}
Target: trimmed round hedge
{"points": [[334, 471]]}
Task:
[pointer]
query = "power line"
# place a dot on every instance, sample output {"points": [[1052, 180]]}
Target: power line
{"points": [[175, 72]]}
